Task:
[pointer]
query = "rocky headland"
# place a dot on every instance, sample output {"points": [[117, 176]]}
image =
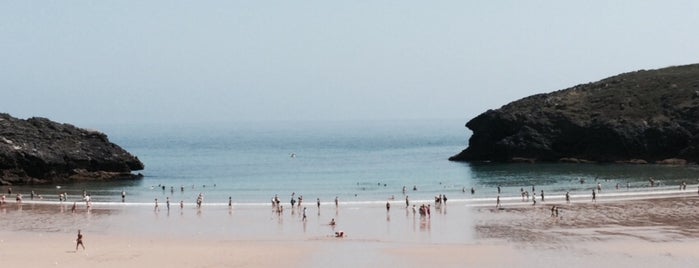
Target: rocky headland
{"points": [[40, 151], [647, 116]]}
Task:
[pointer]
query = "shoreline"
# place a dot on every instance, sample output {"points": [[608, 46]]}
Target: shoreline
{"points": [[652, 230]]}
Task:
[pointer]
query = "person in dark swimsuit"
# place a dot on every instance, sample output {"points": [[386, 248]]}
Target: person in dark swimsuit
{"points": [[79, 242]]}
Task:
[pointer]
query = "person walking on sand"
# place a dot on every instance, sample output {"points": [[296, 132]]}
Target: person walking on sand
{"points": [[407, 202], [568, 197], [542, 195], [79, 241], [123, 196], [74, 207], [304, 214], [156, 205], [388, 206], [497, 202], [230, 202], [167, 203], [318, 202], [337, 202]]}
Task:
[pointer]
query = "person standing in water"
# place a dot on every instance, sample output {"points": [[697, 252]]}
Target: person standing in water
{"points": [[79, 241], [568, 197], [123, 196]]}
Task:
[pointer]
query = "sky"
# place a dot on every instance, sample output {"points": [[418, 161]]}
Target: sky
{"points": [[143, 62]]}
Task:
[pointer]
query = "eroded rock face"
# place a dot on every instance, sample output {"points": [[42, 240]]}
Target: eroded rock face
{"points": [[38, 150], [644, 115]]}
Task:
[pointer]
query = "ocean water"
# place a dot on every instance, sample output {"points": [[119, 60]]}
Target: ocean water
{"points": [[360, 162]]}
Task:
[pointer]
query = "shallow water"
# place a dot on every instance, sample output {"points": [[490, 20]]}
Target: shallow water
{"points": [[354, 161]]}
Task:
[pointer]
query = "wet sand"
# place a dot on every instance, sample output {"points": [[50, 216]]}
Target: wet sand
{"points": [[611, 233]]}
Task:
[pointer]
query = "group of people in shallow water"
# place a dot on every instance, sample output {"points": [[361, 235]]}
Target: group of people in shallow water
{"points": [[525, 194]]}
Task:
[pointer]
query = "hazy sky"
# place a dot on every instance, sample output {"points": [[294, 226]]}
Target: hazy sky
{"points": [[224, 61]]}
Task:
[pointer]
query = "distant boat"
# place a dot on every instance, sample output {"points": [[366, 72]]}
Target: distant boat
{"points": [[292, 155]]}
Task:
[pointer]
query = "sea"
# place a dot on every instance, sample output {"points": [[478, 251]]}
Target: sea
{"points": [[361, 162]]}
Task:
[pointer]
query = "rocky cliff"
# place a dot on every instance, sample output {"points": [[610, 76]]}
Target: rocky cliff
{"points": [[638, 117], [38, 150]]}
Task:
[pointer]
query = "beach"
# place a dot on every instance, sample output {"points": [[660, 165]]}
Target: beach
{"points": [[648, 230]]}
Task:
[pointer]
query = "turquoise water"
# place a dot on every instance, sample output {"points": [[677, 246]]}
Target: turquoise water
{"points": [[364, 162]]}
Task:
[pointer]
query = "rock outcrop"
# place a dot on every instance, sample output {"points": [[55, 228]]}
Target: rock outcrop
{"points": [[38, 150], [643, 116]]}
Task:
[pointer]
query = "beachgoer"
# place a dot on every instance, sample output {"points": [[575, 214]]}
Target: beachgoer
{"points": [[553, 210], [337, 202], [388, 206], [230, 202], [414, 210], [332, 222], [407, 202], [74, 207], [473, 191], [31, 196], [339, 234], [156, 205], [444, 199], [167, 203], [497, 202], [304, 214], [568, 197], [79, 241], [318, 202], [181, 204], [498, 189], [594, 196], [123, 195], [542, 195], [599, 187], [414, 188]]}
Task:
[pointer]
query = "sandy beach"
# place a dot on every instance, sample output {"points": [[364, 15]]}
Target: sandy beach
{"points": [[646, 231]]}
